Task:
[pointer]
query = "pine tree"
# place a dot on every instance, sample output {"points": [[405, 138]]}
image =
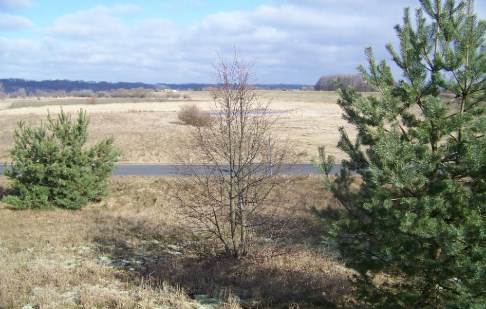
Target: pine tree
{"points": [[412, 195], [51, 166]]}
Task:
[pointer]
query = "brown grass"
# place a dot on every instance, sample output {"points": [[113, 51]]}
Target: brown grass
{"points": [[151, 132], [134, 247]]}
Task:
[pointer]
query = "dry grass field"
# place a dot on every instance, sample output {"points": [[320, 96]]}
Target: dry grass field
{"points": [[150, 131], [135, 249]]}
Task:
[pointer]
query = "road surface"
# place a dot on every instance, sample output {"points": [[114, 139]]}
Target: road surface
{"points": [[171, 170]]}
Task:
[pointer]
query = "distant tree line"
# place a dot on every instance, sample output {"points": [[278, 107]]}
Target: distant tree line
{"points": [[18, 87], [31, 86], [139, 92], [331, 82], [85, 93]]}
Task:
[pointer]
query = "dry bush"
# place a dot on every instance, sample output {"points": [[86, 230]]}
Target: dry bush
{"points": [[231, 302], [242, 155], [192, 115], [92, 100]]}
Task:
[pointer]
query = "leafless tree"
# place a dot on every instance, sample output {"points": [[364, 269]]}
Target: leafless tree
{"points": [[241, 159], [331, 82]]}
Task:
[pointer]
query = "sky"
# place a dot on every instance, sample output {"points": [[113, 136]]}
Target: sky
{"points": [[179, 41]]}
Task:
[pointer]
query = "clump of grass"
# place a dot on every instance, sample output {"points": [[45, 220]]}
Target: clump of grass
{"points": [[192, 115], [142, 296]]}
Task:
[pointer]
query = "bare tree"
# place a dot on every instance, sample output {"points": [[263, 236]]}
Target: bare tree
{"points": [[332, 82], [241, 159]]}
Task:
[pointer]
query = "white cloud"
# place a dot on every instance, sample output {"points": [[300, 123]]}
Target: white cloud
{"points": [[292, 42], [100, 23], [14, 22], [292, 38], [18, 45], [98, 44], [16, 57]]}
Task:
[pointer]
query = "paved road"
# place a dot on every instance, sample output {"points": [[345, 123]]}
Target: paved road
{"points": [[171, 170]]}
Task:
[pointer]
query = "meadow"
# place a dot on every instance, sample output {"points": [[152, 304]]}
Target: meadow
{"points": [[135, 249], [148, 131]]}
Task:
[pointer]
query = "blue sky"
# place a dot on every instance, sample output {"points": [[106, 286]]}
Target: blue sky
{"points": [[177, 41]]}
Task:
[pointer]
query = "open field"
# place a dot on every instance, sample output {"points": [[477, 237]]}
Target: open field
{"points": [[149, 131], [132, 250], [19, 103], [135, 249]]}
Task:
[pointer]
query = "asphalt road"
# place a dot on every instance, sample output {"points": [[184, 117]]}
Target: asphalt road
{"points": [[171, 170]]}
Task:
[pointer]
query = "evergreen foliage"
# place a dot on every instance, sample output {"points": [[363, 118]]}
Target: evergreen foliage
{"points": [[51, 166], [412, 194]]}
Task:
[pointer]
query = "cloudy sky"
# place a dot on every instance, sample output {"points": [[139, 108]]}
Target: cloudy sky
{"points": [[177, 41]]}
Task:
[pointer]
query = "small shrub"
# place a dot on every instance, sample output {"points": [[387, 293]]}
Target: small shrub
{"points": [[92, 100], [103, 94], [194, 116], [51, 166]]}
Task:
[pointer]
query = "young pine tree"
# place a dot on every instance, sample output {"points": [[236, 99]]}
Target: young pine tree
{"points": [[51, 166], [413, 191]]}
